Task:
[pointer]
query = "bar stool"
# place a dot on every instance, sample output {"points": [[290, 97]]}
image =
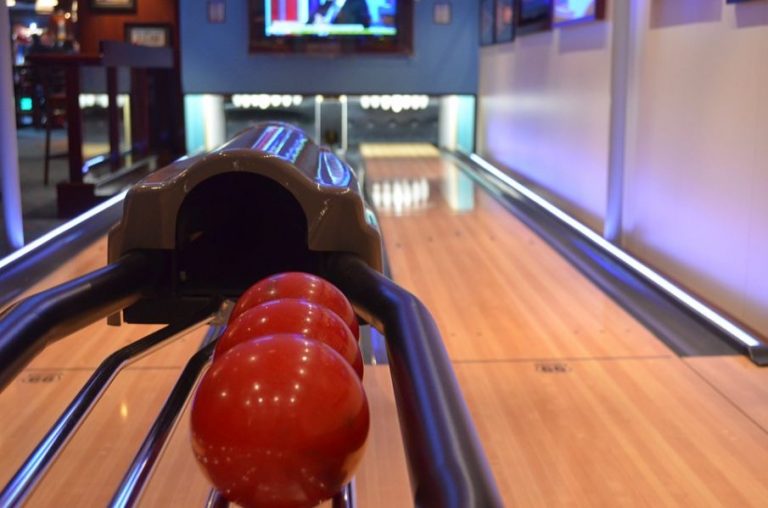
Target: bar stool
{"points": [[55, 108]]}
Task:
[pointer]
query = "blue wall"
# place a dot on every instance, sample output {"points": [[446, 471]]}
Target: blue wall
{"points": [[215, 58]]}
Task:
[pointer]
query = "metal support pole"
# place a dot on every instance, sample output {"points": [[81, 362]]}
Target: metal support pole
{"points": [[9, 154], [113, 122], [624, 55]]}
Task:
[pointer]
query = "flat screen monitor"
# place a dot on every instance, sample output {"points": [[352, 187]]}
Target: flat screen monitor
{"points": [[533, 16], [577, 11], [331, 25]]}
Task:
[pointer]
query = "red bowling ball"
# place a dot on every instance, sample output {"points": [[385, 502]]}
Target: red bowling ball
{"points": [[281, 421]]}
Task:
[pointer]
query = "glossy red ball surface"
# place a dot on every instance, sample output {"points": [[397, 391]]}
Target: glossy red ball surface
{"points": [[290, 315], [281, 421], [300, 285]]}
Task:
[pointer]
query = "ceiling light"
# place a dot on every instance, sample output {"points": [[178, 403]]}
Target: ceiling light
{"points": [[45, 6]]}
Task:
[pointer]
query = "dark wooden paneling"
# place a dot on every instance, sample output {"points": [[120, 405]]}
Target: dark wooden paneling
{"points": [[94, 26]]}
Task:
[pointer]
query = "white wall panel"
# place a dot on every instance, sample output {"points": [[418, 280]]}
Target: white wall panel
{"points": [[695, 186], [544, 112], [696, 176]]}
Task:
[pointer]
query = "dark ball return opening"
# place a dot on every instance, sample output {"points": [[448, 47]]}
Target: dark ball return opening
{"points": [[228, 235]]}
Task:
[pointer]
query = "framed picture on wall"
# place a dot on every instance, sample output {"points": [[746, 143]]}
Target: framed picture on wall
{"points": [[117, 6], [441, 13], [487, 8], [155, 35], [504, 27], [217, 11], [578, 11], [533, 16]]}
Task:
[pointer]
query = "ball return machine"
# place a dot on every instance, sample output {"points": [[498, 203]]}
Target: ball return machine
{"points": [[200, 231]]}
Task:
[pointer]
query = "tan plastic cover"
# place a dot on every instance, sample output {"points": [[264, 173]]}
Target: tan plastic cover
{"points": [[325, 187]]}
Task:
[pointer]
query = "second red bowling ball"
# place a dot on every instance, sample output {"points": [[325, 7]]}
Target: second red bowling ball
{"points": [[299, 285], [293, 316]]}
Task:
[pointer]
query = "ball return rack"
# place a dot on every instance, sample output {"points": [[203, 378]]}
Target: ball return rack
{"points": [[193, 236]]}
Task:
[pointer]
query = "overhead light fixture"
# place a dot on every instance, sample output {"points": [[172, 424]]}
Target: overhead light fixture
{"points": [[10, 3], [45, 6]]}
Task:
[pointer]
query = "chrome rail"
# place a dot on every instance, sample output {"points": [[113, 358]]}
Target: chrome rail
{"points": [[446, 462], [140, 471]]}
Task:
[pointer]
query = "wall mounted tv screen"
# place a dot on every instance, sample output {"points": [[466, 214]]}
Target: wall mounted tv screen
{"points": [[331, 25]]}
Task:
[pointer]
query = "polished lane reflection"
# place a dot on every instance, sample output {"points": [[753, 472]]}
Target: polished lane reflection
{"points": [[414, 183]]}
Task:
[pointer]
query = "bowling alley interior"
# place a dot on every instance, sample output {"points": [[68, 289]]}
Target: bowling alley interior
{"points": [[383, 253]]}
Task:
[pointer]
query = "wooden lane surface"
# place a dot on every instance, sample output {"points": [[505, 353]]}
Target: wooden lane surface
{"points": [[92, 465], [484, 275], [394, 150], [739, 381], [575, 402], [614, 433]]}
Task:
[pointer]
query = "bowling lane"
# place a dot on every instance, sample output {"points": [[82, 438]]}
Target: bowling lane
{"points": [[496, 290], [553, 384], [575, 402]]}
